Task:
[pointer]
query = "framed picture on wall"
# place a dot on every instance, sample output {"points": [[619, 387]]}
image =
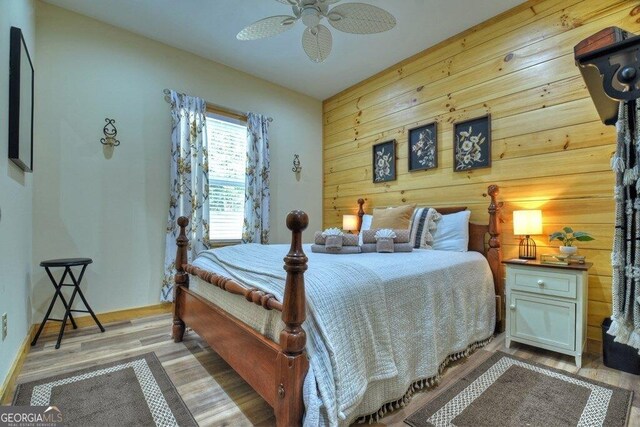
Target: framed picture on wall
{"points": [[384, 161], [20, 102], [423, 147], [472, 144]]}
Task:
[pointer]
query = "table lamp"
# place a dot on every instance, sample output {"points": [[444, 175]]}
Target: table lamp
{"points": [[350, 223], [527, 223]]}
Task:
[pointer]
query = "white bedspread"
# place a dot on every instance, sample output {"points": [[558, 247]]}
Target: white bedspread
{"points": [[375, 322]]}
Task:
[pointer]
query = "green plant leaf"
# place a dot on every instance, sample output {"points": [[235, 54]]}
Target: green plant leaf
{"points": [[585, 238], [568, 230], [581, 233], [558, 235]]}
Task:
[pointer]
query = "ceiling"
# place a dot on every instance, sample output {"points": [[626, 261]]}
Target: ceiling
{"points": [[208, 29]]}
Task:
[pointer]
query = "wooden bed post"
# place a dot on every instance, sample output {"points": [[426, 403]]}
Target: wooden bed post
{"points": [[292, 363], [494, 255], [181, 277], [360, 213]]}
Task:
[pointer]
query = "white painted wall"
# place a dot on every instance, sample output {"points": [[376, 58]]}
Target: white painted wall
{"points": [[15, 199], [114, 209]]}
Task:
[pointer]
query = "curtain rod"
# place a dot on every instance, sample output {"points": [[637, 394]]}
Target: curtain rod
{"points": [[167, 93]]}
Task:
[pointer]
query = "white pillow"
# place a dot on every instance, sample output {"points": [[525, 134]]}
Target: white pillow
{"points": [[452, 233], [366, 225]]}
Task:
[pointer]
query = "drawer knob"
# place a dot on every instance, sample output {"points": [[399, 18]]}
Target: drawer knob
{"points": [[512, 306], [541, 282]]}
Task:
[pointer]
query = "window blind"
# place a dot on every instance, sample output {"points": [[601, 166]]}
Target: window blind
{"points": [[227, 141]]}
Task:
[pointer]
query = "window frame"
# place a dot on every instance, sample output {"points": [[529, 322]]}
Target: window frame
{"points": [[220, 113]]}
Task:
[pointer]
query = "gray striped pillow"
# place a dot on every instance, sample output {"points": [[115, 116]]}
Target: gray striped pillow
{"points": [[423, 225]]}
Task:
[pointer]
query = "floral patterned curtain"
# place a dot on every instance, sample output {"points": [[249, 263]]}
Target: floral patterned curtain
{"points": [[256, 190], [189, 184]]}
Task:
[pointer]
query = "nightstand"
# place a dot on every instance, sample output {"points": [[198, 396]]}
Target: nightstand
{"points": [[547, 306]]}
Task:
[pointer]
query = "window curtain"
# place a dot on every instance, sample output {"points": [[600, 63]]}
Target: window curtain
{"points": [[256, 191], [189, 185], [625, 258]]}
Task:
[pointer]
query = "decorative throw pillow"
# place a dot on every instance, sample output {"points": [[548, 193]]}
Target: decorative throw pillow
{"points": [[452, 233], [366, 225], [394, 218], [423, 225]]}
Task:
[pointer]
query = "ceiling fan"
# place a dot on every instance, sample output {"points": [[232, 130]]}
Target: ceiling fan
{"points": [[355, 18]]}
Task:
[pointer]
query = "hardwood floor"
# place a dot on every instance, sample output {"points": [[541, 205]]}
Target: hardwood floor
{"points": [[217, 396]]}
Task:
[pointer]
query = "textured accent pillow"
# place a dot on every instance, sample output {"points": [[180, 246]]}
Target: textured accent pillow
{"points": [[369, 236], [423, 225], [347, 239], [393, 218], [452, 233], [366, 225]]}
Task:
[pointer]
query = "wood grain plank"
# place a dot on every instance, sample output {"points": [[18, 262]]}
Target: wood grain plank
{"points": [[496, 56], [516, 24], [549, 148], [216, 395]]}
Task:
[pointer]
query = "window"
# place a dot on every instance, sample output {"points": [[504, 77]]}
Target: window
{"points": [[227, 140]]}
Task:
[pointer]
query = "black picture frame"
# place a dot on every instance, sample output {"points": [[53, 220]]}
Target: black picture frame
{"points": [[423, 147], [21, 85], [384, 161], [472, 144]]}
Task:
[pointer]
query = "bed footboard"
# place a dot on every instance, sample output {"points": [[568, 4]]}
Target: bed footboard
{"points": [[275, 370]]}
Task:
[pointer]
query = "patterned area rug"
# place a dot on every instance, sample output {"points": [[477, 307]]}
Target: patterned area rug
{"points": [[130, 392], [508, 391]]}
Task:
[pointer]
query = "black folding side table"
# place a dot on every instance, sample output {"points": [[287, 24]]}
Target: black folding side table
{"points": [[67, 264]]}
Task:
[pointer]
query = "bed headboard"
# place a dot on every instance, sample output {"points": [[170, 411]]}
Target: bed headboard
{"points": [[483, 238]]}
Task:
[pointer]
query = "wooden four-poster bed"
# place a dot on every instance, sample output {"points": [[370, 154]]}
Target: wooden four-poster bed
{"points": [[276, 370]]}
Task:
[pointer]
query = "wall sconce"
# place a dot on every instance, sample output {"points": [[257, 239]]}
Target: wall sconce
{"points": [[350, 223], [110, 133], [526, 223], [296, 164]]}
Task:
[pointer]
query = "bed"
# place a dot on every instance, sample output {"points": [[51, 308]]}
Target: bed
{"points": [[360, 382]]}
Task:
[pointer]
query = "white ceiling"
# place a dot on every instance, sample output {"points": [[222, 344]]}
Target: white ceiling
{"points": [[208, 28]]}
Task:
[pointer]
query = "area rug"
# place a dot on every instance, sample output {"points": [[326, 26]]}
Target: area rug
{"points": [[508, 391], [131, 392]]}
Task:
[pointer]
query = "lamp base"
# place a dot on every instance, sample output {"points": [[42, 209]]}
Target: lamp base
{"points": [[527, 248]]}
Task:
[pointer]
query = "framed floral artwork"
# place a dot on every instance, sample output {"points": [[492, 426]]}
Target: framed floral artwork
{"points": [[384, 161], [423, 147], [472, 144]]}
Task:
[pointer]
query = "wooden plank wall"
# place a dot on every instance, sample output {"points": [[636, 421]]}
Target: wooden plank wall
{"points": [[549, 150]]}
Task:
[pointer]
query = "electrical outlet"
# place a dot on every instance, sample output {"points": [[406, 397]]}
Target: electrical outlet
{"points": [[4, 326]]}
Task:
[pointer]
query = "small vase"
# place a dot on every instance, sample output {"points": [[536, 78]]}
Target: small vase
{"points": [[568, 250]]}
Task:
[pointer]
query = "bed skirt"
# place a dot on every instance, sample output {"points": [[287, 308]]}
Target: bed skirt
{"points": [[421, 384]]}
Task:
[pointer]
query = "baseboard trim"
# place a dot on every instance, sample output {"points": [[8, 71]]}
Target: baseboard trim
{"points": [[6, 391], [594, 346], [8, 386], [110, 317]]}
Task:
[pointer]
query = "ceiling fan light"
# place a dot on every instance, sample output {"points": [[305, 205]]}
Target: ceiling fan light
{"points": [[310, 17]]}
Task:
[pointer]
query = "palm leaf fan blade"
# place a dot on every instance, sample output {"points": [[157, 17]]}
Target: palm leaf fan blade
{"points": [[317, 42], [267, 27], [360, 18]]}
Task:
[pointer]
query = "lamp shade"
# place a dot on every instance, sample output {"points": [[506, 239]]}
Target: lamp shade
{"points": [[350, 222], [527, 223]]}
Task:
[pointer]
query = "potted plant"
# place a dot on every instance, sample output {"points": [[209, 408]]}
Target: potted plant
{"points": [[567, 236]]}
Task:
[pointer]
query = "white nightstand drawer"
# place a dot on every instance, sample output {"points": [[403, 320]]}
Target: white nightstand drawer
{"points": [[543, 282], [542, 320]]}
